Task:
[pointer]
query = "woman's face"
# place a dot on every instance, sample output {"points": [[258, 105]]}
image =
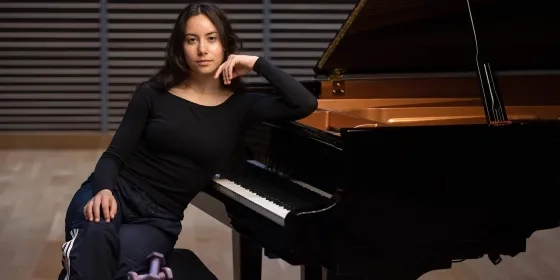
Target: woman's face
{"points": [[203, 49]]}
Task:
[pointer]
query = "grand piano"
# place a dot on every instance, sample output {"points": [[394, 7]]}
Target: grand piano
{"points": [[436, 140]]}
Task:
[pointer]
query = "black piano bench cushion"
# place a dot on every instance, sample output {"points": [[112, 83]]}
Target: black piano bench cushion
{"points": [[186, 265]]}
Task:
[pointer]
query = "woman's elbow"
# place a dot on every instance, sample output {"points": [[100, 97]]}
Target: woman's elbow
{"points": [[312, 106], [308, 107]]}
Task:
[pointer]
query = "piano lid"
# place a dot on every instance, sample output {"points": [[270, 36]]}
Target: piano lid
{"points": [[423, 36]]}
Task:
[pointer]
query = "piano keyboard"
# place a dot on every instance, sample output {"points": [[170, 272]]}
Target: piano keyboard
{"points": [[268, 195]]}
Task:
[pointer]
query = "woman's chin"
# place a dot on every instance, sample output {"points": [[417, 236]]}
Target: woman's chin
{"points": [[205, 71]]}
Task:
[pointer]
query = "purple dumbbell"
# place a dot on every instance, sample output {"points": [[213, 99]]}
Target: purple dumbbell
{"points": [[157, 260]]}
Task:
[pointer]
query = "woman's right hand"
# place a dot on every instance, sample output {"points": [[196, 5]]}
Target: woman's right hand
{"points": [[105, 200]]}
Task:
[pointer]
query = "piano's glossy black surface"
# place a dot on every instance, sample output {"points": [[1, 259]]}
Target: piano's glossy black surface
{"points": [[406, 174]]}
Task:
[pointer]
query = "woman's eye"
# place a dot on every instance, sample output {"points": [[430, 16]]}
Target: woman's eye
{"points": [[212, 38]]}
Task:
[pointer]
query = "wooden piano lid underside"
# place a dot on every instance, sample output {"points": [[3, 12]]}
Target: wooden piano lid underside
{"points": [[425, 101], [418, 40]]}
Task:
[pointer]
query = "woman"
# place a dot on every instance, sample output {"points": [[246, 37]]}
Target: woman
{"points": [[179, 128]]}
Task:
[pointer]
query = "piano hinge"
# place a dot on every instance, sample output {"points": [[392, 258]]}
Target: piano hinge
{"points": [[337, 83]]}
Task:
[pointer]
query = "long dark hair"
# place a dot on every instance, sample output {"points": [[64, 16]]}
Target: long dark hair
{"points": [[175, 68]]}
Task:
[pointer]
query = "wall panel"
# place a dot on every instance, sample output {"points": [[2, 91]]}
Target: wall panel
{"points": [[49, 66], [72, 65], [301, 30]]}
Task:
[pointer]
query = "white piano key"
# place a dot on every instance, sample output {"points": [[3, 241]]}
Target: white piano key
{"points": [[252, 200], [256, 202]]}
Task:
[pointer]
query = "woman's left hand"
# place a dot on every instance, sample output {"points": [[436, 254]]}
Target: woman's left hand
{"points": [[235, 66]]}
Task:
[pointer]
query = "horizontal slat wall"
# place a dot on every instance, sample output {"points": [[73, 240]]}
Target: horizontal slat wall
{"points": [[138, 34], [50, 52], [301, 30], [49, 66]]}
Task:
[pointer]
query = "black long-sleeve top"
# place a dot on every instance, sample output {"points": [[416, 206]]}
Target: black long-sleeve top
{"points": [[171, 147]]}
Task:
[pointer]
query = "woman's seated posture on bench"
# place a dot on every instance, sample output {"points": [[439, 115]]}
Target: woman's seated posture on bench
{"points": [[179, 129]]}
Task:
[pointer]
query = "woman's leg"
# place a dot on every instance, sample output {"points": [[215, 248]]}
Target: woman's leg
{"points": [[100, 250], [75, 211], [148, 228], [137, 242], [74, 222], [91, 250]]}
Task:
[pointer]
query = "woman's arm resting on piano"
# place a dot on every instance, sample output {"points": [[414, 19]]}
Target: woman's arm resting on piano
{"points": [[295, 102]]}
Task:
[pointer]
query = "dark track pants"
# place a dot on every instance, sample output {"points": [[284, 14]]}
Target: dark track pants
{"points": [[101, 250]]}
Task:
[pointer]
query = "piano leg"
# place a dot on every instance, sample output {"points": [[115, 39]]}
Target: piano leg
{"points": [[247, 258]]}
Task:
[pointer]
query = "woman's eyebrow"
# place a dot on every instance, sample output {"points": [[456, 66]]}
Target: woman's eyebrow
{"points": [[192, 34]]}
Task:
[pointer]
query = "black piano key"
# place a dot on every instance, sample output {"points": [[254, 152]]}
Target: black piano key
{"points": [[276, 188]]}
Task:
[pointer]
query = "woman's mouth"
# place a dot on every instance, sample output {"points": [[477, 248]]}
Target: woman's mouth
{"points": [[203, 62]]}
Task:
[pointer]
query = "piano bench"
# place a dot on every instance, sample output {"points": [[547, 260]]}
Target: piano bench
{"points": [[186, 265]]}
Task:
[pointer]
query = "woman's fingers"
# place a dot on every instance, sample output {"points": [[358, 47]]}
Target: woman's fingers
{"points": [[219, 71], [106, 205], [230, 69], [113, 211], [88, 210], [103, 202], [225, 71], [96, 208]]}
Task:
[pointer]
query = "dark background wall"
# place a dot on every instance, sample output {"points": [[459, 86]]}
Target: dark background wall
{"points": [[71, 65]]}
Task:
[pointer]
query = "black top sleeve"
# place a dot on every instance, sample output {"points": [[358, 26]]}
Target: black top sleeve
{"points": [[124, 141], [295, 103]]}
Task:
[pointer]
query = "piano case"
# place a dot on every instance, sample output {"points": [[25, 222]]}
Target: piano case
{"points": [[436, 140]]}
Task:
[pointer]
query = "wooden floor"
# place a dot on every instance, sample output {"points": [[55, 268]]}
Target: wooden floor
{"points": [[36, 186]]}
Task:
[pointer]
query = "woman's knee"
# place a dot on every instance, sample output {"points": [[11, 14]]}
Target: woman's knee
{"points": [[75, 212], [102, 225], [94, 246], [96, 231]]}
